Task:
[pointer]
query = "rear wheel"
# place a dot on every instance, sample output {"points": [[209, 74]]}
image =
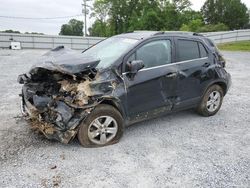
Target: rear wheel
{"points": [[104, 126], [211, 101]]}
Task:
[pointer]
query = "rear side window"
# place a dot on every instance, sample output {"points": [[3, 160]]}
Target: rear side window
{"points": [[203, 50], [187, 50]]}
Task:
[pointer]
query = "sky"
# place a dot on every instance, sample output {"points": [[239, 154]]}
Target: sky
{"points": [[48, 9]]}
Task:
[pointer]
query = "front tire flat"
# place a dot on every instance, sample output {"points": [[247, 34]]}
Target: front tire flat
{"points": [[104, 126]]}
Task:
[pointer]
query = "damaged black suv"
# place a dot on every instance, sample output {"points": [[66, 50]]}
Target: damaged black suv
{"points": [[120, 81]]}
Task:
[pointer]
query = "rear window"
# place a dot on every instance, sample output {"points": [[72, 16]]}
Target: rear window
{"points": [[187, 50]]}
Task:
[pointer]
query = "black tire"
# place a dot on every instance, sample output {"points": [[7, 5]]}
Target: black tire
{"points": [[202, 108], [99, 111]]}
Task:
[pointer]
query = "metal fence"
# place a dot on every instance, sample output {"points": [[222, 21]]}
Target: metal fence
{"points": [[47, 41], [80, 43], [229, 36]]}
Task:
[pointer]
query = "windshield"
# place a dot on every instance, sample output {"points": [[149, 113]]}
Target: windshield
{"points": [[110, 50]]}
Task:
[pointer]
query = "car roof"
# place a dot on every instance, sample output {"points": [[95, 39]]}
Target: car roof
{"points": [[140, 35]]}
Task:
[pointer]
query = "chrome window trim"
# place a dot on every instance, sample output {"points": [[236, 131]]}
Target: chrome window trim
{"points": [[176, 63]]}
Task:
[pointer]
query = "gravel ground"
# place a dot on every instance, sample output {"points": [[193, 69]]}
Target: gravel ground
{"points": [[178, 150]]}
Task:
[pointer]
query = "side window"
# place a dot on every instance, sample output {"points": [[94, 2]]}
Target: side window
{"points": [[203, 51], [187, 50], [155, 53]]}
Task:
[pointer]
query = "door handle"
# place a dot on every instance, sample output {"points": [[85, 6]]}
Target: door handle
{"points": [[172, 75], [206, 65]]}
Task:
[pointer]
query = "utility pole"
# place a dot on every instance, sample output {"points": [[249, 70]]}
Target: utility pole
{"points": [[85, 12]]}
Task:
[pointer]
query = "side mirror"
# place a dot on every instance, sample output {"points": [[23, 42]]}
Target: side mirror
{"points": [[135, 66]]}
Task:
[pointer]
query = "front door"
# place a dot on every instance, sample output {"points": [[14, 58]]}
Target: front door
{"points": [[152, 90]]}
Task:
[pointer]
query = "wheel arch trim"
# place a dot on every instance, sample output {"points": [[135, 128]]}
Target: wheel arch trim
{"points": [[221, 83], [116, 104]]}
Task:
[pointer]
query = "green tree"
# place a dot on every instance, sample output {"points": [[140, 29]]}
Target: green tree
{"points": [[151, 21], [199, 26], [171, 17], [101, 10], [189, 15], [119, 16], [193, 26], [34, 33], [99, 29], [182, 5], [10, 31], [73, 28], [214, 28], [232, 13]]}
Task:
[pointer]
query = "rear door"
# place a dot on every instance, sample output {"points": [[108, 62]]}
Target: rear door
{"points": [[150, 92], [192, 60]]}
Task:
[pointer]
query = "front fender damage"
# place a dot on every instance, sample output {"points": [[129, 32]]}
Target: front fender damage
{"points": [[55, 103]]}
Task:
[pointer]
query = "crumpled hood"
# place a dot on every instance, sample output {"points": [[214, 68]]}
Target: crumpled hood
{"points": [[66, 61]]}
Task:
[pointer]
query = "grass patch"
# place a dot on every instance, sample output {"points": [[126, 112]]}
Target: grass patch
{"points": [[235, 46]]}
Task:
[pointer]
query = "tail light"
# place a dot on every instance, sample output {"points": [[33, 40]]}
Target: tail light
{"points": [[222, 61]]}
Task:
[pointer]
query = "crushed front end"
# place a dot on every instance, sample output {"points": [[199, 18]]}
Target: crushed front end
{"points": [[58, 94], [55, 104]]}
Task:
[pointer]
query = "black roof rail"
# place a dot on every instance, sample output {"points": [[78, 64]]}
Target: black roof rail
{"points": [[155, 33], [174, 32], [160, 33], [198, 34], [128, 32], [144, 31], [179, 33]]}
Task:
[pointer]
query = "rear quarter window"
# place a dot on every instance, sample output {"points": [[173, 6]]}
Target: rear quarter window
{"points": [[210, 42], [203, 51]]}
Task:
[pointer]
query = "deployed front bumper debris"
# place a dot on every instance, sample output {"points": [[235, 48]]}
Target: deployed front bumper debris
{"points": [[60, 91]]}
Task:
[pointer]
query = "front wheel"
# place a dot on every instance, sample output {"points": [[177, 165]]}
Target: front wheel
{"points": [[211, 101], [104, 126]]}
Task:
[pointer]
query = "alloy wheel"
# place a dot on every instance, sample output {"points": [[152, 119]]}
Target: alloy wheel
{"points": [[213, 102], [102, 130]]}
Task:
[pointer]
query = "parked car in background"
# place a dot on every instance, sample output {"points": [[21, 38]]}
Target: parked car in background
{"points": [[122, 80]]}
